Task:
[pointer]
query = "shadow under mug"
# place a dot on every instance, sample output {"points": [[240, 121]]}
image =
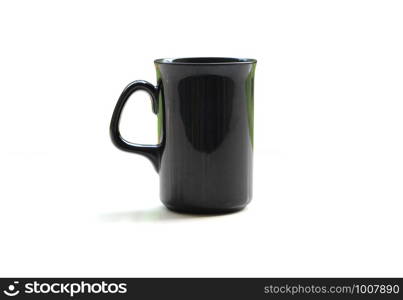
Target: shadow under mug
{"points": [[205, 130]]}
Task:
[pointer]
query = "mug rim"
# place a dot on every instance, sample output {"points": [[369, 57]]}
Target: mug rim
{"points": [[201, 61]]}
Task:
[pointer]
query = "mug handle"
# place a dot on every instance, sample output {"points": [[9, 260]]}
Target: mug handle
{"points": [[152, 152]]}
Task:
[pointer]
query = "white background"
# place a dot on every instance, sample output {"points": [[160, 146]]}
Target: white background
{"points": [[328, 186]]}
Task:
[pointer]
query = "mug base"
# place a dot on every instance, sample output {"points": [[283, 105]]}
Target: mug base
{"points": [[204, 210]]}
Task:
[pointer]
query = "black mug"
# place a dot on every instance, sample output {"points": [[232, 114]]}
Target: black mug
{"points": [[205, 130]]}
